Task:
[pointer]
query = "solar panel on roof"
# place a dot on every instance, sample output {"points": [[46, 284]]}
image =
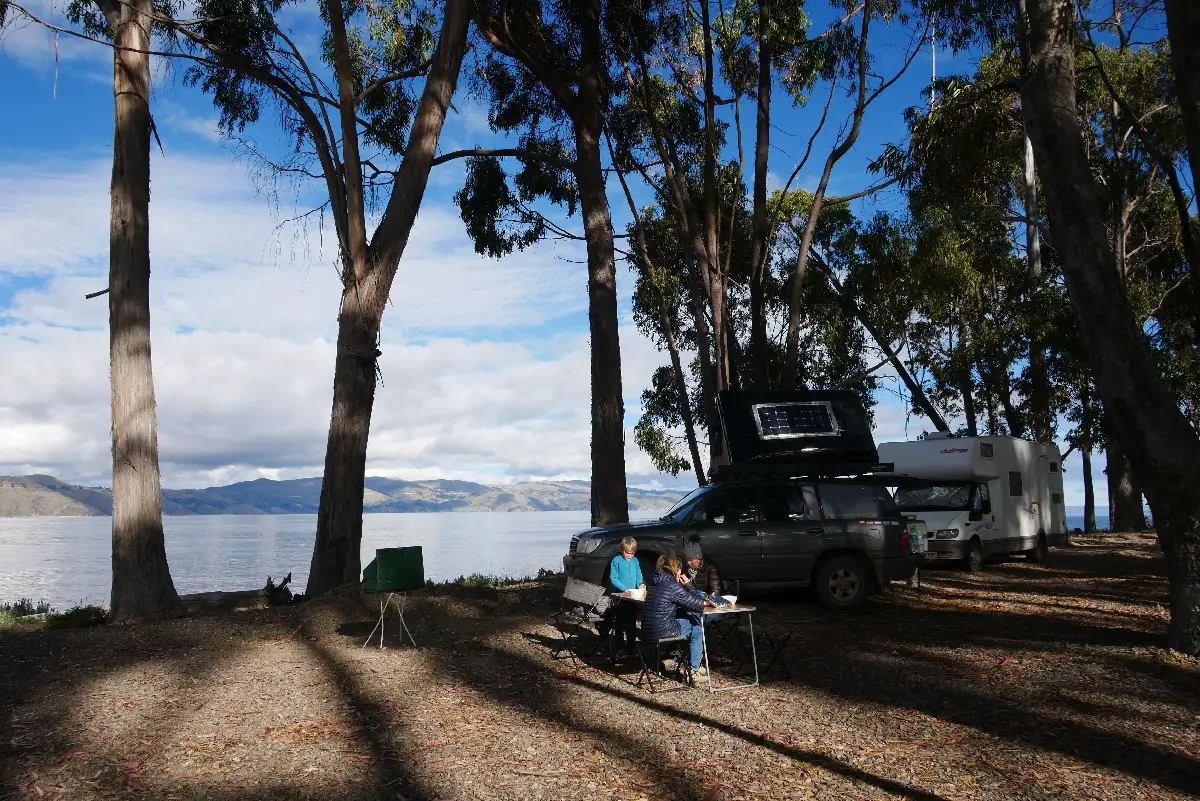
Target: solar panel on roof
{"points": [[791, 420]]}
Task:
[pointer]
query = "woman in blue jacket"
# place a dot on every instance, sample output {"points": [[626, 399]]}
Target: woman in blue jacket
{"points": [[666, 601]]}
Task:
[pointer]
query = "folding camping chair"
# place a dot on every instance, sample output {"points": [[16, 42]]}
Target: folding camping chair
{"points": [[588, 602], [651, 654]]}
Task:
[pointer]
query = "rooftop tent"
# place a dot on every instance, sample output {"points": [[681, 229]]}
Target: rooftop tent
{"points": [[821, 432]]}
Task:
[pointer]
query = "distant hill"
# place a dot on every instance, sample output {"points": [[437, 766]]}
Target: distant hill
{"points": [[36, 496]]}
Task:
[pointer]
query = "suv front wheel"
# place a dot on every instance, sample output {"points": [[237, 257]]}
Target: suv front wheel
{"points": [[843, 582]]}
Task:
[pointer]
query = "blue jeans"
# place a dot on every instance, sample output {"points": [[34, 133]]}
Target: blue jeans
{"points": [[694, 632]]}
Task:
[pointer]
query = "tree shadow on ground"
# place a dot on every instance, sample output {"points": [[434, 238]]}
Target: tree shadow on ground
{"points": [[46, 679], [842, 656]]}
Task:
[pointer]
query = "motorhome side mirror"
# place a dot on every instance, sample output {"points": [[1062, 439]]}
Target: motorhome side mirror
{"points": [[975, 514]]}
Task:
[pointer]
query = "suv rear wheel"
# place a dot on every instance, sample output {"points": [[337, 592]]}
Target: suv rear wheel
{"points": [[843, 582]]}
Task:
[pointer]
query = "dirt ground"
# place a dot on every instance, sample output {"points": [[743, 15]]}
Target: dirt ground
{"points": [[1024, 681]]}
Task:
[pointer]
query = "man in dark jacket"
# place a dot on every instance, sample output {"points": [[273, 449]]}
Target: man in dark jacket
{"points": [[666, 600], [702, 575]]}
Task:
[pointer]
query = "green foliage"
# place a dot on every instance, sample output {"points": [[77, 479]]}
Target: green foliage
{"points": [[17, 614], [657, 443], [252, 60], [77, 617], [497, 221], [489, 581]]}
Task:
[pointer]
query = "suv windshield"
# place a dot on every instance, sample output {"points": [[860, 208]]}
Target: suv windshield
{"points": [[949, 497], [684, 505]]}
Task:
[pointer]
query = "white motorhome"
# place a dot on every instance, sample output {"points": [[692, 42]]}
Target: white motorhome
{"points": [[980, 496]]}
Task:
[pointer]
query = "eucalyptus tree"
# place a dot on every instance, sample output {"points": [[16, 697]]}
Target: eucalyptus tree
{"points": [[350, 96], [548, 78], [1163, 447], [141, 578]]}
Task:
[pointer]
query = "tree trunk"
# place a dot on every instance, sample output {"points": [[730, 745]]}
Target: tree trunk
{"points": [[1012, 415], [367, 283], [712, 247], [758, 243], [1125, 511], [708, 380], [1085, 450], [1183, 573], [141, 587], [1163, 448], [1040, 419], [1089, 491], [968, 395], [685, 409], [610, 501], [1183, 29], [336, 558]]}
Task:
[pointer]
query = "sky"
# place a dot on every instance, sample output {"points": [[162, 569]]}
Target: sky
{"points": [[485, 362]]}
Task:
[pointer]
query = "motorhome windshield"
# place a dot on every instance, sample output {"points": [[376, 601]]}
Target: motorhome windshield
{"points": [[935, 497], [681, 508]]}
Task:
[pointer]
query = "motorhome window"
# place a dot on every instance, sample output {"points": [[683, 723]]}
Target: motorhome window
{"points": [[1054, 467], [848, 500], [1056, 497], [792, 420], [732, 505], [1015, 487], [684, 505], [985, 450], [934, 497], [786, 504]]}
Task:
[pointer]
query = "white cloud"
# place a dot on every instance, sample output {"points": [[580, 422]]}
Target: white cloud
{"points": [[243, 324], [485, 362]]}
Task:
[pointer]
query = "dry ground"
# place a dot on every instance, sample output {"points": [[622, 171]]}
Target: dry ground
{"points": [[1023, 681]]}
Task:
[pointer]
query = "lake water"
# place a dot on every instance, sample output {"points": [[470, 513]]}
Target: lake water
{"points": [[66, 560]]}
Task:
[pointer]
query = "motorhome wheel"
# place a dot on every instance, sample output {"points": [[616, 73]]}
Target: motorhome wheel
{"points": [[1037, 554], [975, 556]]}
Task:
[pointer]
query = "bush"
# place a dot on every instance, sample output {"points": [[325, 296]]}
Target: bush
{"points": [[26, 606], [490, 581], [77, 617]]}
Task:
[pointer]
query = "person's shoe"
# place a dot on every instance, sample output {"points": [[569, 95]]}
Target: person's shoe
{"points": [[668, 664], [700, 672]]}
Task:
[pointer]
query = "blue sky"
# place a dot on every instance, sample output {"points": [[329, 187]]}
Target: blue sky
{"points": [[485, 362]]}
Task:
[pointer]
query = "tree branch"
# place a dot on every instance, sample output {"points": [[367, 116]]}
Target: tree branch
{"points": [[499, 151]]}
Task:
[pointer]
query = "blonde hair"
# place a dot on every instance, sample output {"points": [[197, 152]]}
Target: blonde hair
{"points": [[628, 545], [670, 563]]}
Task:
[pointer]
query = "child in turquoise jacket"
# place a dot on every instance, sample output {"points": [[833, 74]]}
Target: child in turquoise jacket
{"points": [[625, 573]]}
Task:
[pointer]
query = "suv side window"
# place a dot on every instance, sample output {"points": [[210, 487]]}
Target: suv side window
{"points": [[788, 504], [732, 505], [849, 501]]}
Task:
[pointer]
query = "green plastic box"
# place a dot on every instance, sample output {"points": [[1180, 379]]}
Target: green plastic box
{"points": [[395, 569]]}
